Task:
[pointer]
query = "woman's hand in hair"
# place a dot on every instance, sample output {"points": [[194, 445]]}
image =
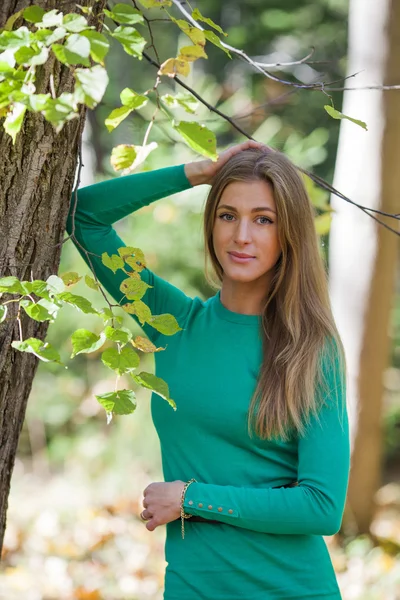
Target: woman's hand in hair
{"points": [[204, 171]]}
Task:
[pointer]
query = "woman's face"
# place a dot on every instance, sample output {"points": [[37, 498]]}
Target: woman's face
{"points": [[246, 223]]}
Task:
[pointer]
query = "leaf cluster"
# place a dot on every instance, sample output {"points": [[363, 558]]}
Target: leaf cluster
{"points": [[74, 43], [42, 301]]}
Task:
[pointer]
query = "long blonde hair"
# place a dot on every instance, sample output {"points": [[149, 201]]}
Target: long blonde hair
{"points": [[301, 344]]}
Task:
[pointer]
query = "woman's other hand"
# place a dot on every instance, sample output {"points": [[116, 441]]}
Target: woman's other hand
{"points": [[203, 171], [162, 503]]}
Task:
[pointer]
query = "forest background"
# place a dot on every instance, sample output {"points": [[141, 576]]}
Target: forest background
{"points": [[73, 529]]}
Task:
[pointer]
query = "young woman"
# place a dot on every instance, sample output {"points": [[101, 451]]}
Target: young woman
{"points": [[256, 456]]}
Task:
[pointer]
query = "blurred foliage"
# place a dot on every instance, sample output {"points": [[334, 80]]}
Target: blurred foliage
{"points": [[79, 537]]}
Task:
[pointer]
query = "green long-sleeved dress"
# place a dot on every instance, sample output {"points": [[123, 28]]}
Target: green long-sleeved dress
{"points": [[268, 543]]}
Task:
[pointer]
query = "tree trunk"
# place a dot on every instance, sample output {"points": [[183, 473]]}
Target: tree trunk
{"points": [[36, 180], [363, 253]]}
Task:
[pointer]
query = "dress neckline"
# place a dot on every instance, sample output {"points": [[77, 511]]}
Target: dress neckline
{"points": [[234, 317]]}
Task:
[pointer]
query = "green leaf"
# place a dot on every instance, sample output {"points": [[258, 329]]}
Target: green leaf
{"points": [[196, 14], [199, 138], [121, 402], [11, 20], [124, 13], [91, 85], [37, 287], [40, 288], [55, 284], [52, 18], [113, 262], [116, 117], [60, 110], [156, 384], [183, 99], [127, 156], [106, 314], [35, 311], [132, 99], [165, 324], [51, 307], [134, 289], [140, 309], [30, 56], [75, 51], [131, 40], [84, 341], [48, 36], [7, 61], [14, 119], [335, 114], [118, 335], [75, 23], [214, 39], [155, 3], [123, 155], [3, 312], [42, 350], [121, 362], [15, 39], [99, 45], [88, 10], [79, 302], [33, 14], [37, 102], [11, 285], [92, 283], [70, 278]]}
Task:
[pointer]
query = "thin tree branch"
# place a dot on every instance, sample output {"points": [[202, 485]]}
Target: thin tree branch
{"points": [[318, 180]]}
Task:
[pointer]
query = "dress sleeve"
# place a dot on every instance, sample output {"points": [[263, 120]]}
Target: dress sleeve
{"points": [[102, 204], [316, 504]]}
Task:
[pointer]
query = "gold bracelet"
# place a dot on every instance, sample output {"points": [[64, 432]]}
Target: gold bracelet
{"points": [[183, 514]]}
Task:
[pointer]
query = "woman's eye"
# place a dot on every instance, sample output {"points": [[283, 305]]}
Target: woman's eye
{"points": [[225, 215], [266, 220]]}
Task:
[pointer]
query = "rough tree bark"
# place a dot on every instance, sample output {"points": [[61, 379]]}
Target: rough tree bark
{"points": [[36, 180], [363, 254]]}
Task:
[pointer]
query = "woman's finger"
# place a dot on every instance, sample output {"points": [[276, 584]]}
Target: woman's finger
{"points": [[151, 525]]}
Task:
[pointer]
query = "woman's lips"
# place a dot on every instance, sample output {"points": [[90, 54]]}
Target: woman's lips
{"points": [[240, 259]]}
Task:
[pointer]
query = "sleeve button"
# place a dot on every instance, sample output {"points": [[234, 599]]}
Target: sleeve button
{"points": [[210, 507], [200, 505], [230, 511], [220, 509], [190, 502]]}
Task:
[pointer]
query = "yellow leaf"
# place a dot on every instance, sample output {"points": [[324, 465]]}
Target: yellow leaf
{"points": [[133, 274], [174, 66], [197, 36], [70, 278], [323, 223], [191, 53], [134, 257], [140, 309], [145, 345], [82, 593]]}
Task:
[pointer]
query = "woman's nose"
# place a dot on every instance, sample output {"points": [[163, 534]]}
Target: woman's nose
{"points": [[243, 232]]}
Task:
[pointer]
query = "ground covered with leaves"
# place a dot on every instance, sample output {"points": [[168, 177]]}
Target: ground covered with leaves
{"points": [[72, 537]]}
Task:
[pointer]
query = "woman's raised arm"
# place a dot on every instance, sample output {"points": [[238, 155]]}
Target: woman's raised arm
{"points": [[102, 204]]}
